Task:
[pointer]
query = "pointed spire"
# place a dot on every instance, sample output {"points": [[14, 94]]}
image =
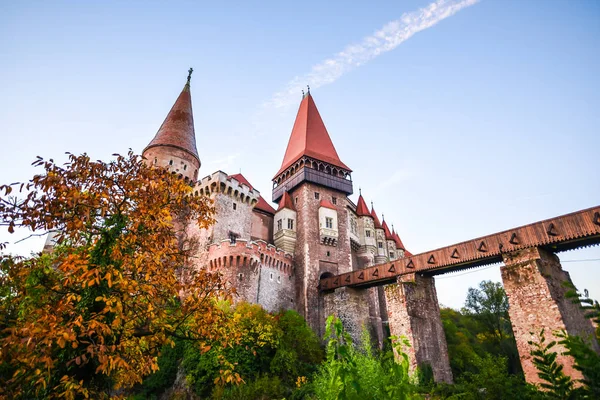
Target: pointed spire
{"points": [[177, 130], [286, 202], [310, 138], [361, 207], [386, 230], [375, 218], [399, 244]]}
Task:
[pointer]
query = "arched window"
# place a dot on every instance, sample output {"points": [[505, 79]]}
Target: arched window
{"points": [[170, 162]]}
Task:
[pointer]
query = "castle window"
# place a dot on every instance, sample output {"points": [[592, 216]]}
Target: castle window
{"points": [[155, 160], [234, 206], [368, 233], [290, 223], [279, 225], [296, 200], [334, 200], [271, 276], [240, 276], [279, 279], [329, 222], [316, 195], [391, 254], [328, 253], [380, 244], [170, 162], [184, 167], [233, 237]]}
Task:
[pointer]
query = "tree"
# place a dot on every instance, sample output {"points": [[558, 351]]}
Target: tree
{"points": [[90, 317], [490, 304]]}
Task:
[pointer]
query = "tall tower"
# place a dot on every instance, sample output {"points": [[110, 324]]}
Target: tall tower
{"points": [[318, 184], [174, 145]]}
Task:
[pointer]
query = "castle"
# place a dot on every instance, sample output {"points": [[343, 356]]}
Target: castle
{"points": [[275, 257]]}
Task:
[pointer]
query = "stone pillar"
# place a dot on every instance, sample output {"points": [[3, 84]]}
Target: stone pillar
{"points": [[414, 312], [351, 306], [536, 285]]}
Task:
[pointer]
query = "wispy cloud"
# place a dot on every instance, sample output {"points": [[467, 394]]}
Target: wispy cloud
{"points": [[390, 36]]}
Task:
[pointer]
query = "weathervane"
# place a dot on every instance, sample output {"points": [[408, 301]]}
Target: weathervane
{"points": [[302, 93], [308, 87], [190, 74]]}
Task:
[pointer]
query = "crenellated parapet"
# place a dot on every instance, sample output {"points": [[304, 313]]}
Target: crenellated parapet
{"points": [[243, 254], [221, 183]]}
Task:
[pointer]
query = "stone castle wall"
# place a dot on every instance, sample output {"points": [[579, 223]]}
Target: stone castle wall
{"points": [[259, 272]]}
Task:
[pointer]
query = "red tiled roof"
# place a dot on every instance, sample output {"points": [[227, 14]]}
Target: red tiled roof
{"points": [[286, 202], [177, 130], [264, 206], [407, 253], [375, 218], [262, 203], [241, 179], [386, 230], [310, 138], [327, 204], [361, 207], [399, 244]]}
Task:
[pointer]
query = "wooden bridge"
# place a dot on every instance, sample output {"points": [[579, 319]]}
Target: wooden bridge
{"points": [[566, 232]]}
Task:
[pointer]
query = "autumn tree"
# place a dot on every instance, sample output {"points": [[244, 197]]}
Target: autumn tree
{"points": [[89, 318]]}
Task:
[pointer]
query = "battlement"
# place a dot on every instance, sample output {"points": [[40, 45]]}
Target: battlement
{"points": [[248, 254], [220, 182]]}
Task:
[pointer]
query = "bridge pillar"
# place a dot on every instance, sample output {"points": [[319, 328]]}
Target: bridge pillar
{"points": [[352, 307], [536, 286], [414, 312]]}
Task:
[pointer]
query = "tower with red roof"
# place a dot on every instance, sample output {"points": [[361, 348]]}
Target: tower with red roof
{"points": [[174, 145], [318, 183]]}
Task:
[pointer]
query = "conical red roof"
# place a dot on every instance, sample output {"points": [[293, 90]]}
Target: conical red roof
{"points": [[399, 244], [375, 218], [361, 207], [310, 138], [386, 230], [177, 130], [286, 202]]}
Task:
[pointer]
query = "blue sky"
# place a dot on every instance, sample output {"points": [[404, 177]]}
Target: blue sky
{"points": [[483, 121]]}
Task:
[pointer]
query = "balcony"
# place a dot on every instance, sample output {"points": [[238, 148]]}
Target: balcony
{"points": [[314, 176], [328, 236]]}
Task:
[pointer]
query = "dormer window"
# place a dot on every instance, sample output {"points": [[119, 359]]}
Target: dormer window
{"points": [[290, 224]]}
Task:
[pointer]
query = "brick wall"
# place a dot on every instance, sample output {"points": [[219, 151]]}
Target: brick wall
{"points": [[535, 285]]}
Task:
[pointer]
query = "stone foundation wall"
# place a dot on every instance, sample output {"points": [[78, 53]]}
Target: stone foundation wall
{"points": [[536, 286], [414, 312]]}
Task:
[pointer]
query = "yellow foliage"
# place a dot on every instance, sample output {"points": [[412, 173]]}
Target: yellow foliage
{"points": [[110, 295]]}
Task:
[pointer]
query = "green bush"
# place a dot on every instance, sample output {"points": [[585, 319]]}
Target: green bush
{"points": [[351, 373], [262, 388]]}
